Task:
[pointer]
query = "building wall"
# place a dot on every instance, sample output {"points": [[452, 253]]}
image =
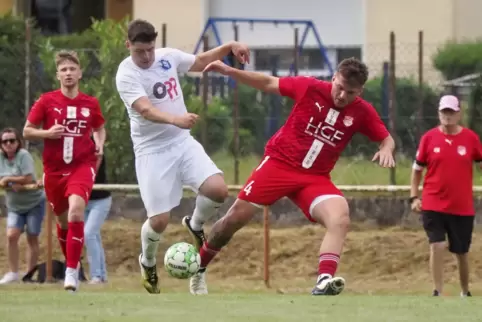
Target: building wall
{"points": [[468, 23], [6, 6], [406, 18], [118, 9], [184, 19]]}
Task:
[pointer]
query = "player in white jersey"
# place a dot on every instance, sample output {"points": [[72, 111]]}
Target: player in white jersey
{"points": [[167, 156]]}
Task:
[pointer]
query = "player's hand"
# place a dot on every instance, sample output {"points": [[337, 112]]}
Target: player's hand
{"points": [[385, 157], [55, 132], [241, 52], [217, 67], [416, 205], [185, 121]]}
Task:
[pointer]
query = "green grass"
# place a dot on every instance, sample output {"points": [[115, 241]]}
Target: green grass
{"points": [[98, 306]]}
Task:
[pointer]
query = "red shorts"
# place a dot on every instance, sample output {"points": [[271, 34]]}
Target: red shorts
{"points": [[273, 180], [58, 187]]}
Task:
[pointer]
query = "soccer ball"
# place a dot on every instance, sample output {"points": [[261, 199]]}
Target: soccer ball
{"points": [[182, 260]]}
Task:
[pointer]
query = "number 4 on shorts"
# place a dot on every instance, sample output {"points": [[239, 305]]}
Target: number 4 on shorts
{"points": [[248, 187]]}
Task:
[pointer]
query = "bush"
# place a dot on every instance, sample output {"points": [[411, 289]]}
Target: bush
{"points": [[408, 127], [13, 69], [458, 59]]}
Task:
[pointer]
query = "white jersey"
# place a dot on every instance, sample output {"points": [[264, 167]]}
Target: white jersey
{"points": [[159, 83]]}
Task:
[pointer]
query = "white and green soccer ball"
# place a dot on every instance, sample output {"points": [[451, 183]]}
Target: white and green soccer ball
{"points": [[182, 260]]}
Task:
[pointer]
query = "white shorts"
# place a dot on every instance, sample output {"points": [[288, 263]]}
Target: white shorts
{"points": [[161, 176]]}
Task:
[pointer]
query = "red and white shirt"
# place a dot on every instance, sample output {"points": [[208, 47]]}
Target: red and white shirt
{"points": [[80, 116], [316, 132], [447, 185]]}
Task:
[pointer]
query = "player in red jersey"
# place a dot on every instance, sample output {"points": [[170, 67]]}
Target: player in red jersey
{"points": [[300, 156], [66, 119], [448, 152]]}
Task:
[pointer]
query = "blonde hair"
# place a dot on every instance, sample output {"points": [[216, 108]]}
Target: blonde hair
{"points": [[66, 55]]}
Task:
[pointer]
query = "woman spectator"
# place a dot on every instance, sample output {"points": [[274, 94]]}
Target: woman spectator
{"points": [[96, 212], [25, 208]]}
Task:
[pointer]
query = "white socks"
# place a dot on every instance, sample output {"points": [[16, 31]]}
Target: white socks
{"points": [[150, 241], [205, 209]]}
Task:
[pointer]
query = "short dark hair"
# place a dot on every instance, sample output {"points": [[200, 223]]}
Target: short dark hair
{"points": [[66, 55], [17, 136], [354, 71], [141, 31]]}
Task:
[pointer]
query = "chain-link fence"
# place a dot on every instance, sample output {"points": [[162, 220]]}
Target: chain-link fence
{"points": [[236, 122]]}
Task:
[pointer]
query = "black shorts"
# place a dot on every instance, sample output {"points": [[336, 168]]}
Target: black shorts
{"points": [[457, 228]]}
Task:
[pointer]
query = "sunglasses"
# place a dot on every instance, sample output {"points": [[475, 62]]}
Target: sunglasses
{"points": [[11, 141]]}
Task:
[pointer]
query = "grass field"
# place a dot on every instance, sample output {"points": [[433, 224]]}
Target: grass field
{"points": [[100, 306], [386, 272]]}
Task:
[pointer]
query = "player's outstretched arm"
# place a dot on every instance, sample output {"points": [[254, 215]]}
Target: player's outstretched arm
{"points": [[33, 132], [144, 107], [240, 51], [260, 81]]}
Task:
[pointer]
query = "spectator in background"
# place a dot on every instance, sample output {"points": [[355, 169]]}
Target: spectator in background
{"points": [[448, 152], [96, 212], [25, 208]]}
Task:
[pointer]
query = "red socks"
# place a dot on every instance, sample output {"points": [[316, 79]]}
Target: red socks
{"points": [[62, 237], [75, 244], [207, 253], [328, 263]]}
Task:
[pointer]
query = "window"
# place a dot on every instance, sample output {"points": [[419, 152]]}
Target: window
{"points": [[343, 53], [309, 58]]}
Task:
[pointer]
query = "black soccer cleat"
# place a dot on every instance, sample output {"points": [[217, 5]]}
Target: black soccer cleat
{"points": [[328, 285], [197, 236]]}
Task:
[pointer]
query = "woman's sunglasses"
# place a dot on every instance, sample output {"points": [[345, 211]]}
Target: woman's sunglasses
{"points": [[11, 141]]}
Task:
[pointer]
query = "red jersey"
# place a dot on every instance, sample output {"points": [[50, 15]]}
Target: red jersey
{"points": [[447, 185], [79, 116], [316, 132]]}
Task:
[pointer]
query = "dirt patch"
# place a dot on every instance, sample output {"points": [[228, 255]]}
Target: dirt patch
{"points": [[392, 255]]}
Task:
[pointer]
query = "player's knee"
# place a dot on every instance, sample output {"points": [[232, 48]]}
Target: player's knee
{"points": [[159, 222], [334, 213], [76, 209], [215, 188]]}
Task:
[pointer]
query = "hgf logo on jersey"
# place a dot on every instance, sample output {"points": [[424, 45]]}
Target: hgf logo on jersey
{"points": [[162, 89], [165, 64], [73, 127], [325, 132]]}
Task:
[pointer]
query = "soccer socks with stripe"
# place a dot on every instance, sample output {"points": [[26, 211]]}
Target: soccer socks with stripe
{"points": [[75, 244], [150, 241], [204, 210], [62, 238], [328, 263], [207, 253]]}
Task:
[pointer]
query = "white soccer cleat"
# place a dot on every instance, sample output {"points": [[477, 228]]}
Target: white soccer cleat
{"points": [[328, 285], [8, 278], [197, 284], [71, 282]]}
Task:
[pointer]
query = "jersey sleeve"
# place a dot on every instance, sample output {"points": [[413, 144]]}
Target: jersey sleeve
{"points": [[97, 117], [294, 86], [26, 164], [129, 87], [183, 60], [421, 157], [477, 154], [373, 126], [36, 114]]}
